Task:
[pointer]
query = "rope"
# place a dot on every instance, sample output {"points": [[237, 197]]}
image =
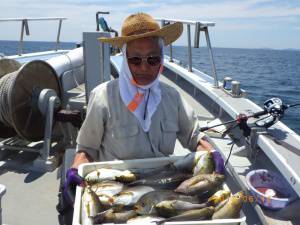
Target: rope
{"points": [[6, 85]]}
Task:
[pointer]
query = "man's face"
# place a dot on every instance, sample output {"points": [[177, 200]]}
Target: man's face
{"points": [[148, 49]]}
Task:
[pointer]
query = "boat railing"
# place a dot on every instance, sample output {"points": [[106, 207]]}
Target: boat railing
{"points": [[198, 26], [25, 27]]}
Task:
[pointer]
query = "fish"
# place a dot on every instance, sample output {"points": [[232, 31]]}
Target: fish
{"points": [[230, 208], [218, 197], [118, 217], [194, 214], [200, 184], [145, 219], [163, 180], [131, 195], [188, 162], [105, 190], [204, 164], [103, 174], [90, 206], [169, 208], [107, 187], [146, 204], [184, 164]]}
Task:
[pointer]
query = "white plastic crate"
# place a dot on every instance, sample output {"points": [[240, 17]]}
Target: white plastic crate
{"points": [[2, 192], [84, 169]]}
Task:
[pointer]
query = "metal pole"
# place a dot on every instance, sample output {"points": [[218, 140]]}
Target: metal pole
{"points": [[97, 21], [213, 67], [58, 35], [197, 35], [189, 48], [171, 53], [20, 51]]}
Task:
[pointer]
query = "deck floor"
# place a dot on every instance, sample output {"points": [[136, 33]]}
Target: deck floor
{"points": [[31, 197]]}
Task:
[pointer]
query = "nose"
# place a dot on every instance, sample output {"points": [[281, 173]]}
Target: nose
{"points": [[144, 66]]}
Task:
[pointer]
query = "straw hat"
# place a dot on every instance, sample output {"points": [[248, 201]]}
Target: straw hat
{"points": [[142, 25]]}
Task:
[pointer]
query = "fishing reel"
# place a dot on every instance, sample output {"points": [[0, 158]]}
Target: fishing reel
{"points": [[275, 110]]}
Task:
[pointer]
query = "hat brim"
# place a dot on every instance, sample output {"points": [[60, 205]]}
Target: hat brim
{"points": [[169, 33]]}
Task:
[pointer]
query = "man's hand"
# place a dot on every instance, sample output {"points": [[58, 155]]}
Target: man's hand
{"points": [[219, 162], [73, 179], [204, 145], [81, 157]]}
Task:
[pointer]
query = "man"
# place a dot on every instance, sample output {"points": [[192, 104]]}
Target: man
{"points": [[137, 116]]}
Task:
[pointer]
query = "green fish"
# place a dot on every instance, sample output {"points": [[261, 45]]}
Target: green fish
{"points": [[200, 184], [194, 214], [146, 204], [218, 197], [131, 195], [90, 206], [146, 219], [118, 217], [103, 174], [163, 179], [230, 208], [204, 164], [169, 208]]}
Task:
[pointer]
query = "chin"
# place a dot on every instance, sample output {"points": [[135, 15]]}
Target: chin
{"points": [[144, 82]]}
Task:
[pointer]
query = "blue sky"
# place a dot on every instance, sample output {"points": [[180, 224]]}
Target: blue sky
{"points": [[239, 24]]}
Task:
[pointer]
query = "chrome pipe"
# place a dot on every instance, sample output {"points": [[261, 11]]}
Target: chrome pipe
{"points": [[20, 51], [213, 66], [58, 35], [197, 35], [189, 47]]}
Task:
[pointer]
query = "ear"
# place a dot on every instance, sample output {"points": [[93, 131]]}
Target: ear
{"points": [[161, 68]]}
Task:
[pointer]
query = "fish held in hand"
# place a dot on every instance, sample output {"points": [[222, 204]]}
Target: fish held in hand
{"points": [[204, 164], [230, 208], [200, 184]]}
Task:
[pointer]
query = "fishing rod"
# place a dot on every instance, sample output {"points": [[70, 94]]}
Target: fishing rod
{"points": [[273, 107]]}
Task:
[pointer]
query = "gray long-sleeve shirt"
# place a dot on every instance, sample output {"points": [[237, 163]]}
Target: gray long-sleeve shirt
{"points": [[110, 131]]}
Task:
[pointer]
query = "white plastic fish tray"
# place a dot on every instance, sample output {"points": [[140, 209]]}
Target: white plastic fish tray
{"points": [[84, 169], [2, 192]]}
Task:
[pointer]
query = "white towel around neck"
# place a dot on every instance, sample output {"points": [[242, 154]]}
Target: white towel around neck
{"points": [[129, 89]]}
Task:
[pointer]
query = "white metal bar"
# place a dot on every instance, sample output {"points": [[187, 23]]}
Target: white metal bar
{"points": [[20, 51], [58, 35], [189, 47], [212, 62], [26, 27], [31, 19], [190, 22]]}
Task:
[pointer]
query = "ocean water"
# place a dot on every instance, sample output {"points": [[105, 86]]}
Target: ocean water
{"points": [[263, 73]]}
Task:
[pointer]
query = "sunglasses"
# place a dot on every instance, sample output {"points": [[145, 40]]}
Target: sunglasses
{"points": [[151, 60]]}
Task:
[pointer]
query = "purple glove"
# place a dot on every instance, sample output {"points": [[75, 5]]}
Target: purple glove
{"points": [[73, 179], [219, 162]]}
